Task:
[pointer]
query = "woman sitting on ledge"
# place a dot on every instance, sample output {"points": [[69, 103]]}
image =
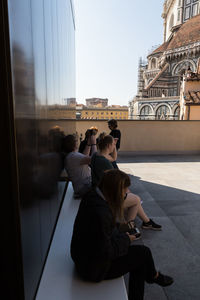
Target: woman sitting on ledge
{"points": [[100, 250], [102, 161], [77, 164]]}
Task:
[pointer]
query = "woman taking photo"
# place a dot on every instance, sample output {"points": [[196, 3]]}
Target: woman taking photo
{"points": [[100, 250], [77, 164]]}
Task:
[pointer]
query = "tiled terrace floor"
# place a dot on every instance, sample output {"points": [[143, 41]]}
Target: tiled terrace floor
{"points": [[170, 189]]}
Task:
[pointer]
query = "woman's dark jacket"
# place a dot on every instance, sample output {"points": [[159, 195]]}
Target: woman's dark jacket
{"points": [[96, 240]]}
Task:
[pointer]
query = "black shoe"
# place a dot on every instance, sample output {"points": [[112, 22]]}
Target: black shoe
{"points": [[163, 280], [151, 225]]}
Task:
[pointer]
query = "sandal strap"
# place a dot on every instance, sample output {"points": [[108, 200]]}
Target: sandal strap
{"points": [[131, 224]]}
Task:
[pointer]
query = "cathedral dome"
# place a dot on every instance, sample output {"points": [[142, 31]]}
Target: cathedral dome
{"points": [[188, 33]]}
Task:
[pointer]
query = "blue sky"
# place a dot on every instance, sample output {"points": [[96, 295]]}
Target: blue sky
{"points": [[111, 35]]}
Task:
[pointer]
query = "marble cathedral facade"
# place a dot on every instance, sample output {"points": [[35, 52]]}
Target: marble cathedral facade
{"points": [[159, 79]]}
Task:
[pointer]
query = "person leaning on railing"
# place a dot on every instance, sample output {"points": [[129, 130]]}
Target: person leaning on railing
{"points": [[100, 250]]}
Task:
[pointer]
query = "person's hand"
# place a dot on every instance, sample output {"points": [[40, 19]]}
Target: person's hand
{"points": [[115, 140], [131, 237], [89, 140], [93, 139]]}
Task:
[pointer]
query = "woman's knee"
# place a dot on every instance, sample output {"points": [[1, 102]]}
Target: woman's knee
{"points": [[131, 200]]}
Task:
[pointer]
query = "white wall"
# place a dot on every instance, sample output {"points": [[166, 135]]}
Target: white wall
{"points": [[173, 10]]}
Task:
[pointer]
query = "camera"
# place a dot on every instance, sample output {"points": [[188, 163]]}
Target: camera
{"points": [[92, 132]]}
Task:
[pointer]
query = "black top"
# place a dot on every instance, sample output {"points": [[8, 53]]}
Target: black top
{"points": [[99, 164], [116, 134], [96, 240]]}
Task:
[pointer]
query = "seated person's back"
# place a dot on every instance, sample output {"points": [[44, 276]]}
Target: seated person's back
{"points": [[102, 160], [79, 173], [77, 164], [99, 164]]}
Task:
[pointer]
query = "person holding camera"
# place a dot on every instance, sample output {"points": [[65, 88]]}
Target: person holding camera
{"points": [[87, 140], [77, 164], [106, 252]]}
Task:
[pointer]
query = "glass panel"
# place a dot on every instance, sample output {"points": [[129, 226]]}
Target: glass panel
{"points": [[195, 9], [179, 15], [187, 13], [43, 72]]}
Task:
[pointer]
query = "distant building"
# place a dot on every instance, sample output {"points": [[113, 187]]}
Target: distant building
{"points": [[70, 101], [104, 113], [99, 102], [79, 108], [160, 78], [58, 112]]}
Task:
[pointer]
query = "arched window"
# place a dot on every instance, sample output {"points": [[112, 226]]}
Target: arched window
{"points": [[182, 67], [153, 63], [162, 112], [145, 112], [177, 113], [171, 22]]}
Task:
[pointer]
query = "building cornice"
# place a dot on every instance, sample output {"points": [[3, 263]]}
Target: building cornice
{"points": [[151, 72], [184, 50], [105, 109], [159, 99]]}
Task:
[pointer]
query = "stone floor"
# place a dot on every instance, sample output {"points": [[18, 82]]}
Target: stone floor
{"points": [[170, 189]]}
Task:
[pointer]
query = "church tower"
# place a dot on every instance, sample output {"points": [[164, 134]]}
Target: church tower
{"points": [[177, 12]]}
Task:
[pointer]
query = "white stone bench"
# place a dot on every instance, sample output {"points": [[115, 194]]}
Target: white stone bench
{"points": [[59, 281]]}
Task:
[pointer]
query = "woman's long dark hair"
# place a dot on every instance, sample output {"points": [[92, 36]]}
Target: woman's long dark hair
{"points": [[112, 186]]}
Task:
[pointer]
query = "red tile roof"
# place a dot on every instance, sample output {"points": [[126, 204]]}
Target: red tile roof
{"points": [[193, 97], [161, 48], [188, 33]]}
